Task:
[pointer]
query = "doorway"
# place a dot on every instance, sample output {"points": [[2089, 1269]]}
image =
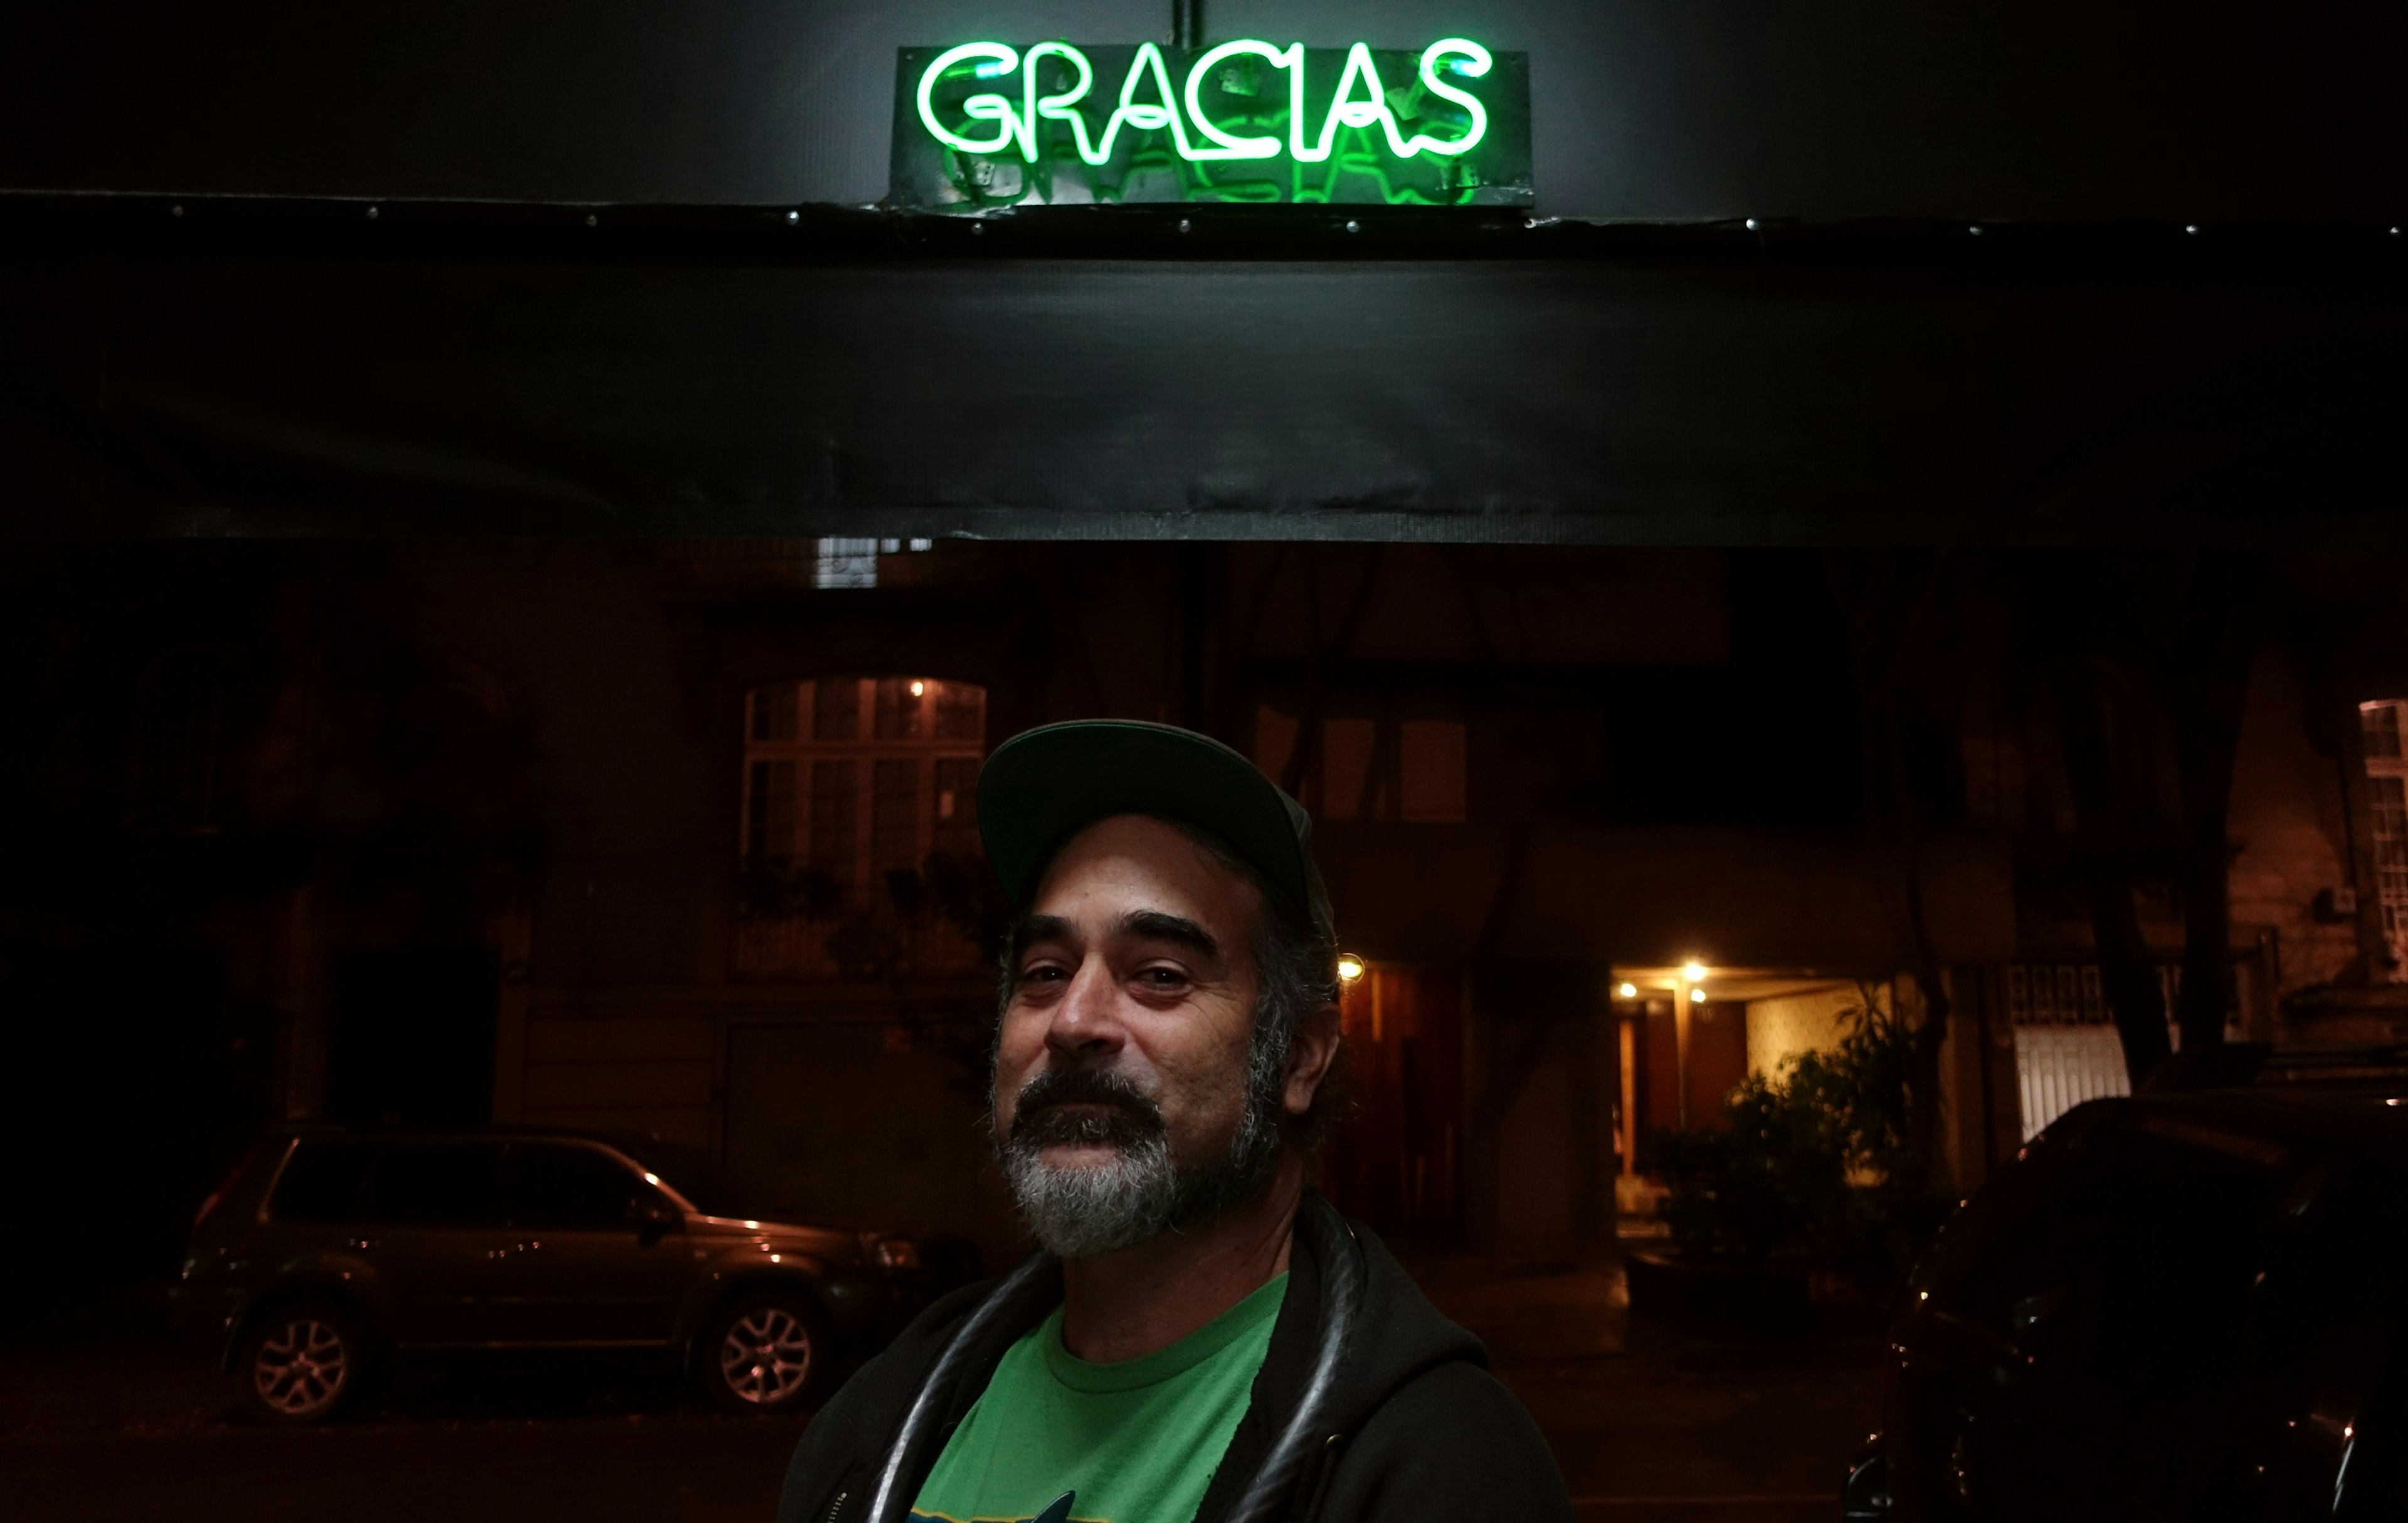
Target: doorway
{"points": [[1395, 1162]]}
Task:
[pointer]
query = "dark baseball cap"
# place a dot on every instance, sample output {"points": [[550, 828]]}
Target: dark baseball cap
{"points": [[1044, 786]]}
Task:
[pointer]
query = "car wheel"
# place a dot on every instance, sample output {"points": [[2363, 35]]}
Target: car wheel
{"points": [[766, 1352], [302, 1363]]}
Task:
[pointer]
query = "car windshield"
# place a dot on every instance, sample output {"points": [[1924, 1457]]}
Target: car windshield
{"points": [[703, 1179]]}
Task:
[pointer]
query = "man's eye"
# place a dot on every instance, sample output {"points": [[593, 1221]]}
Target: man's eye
{"points": [[1162, 978], [1042, 973]]}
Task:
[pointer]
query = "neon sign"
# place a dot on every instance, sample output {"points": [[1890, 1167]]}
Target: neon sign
{"points": [[985, 124]]}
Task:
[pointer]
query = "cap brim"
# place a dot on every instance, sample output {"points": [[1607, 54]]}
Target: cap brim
{"points": [[1042, 787]]}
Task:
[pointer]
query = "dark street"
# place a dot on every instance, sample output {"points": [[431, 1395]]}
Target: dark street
{"points": [[105, 1419]]}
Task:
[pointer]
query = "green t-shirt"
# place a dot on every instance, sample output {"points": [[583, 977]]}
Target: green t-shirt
{"points": [[1138, 1440]]}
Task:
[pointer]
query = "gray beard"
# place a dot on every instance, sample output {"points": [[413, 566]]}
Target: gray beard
{"points": [[1140, 1193]]}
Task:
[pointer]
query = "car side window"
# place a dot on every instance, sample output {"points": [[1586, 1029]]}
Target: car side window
{"points": [[562, 1186], [435, 1185], [321, 1182], [2332, 1291]]}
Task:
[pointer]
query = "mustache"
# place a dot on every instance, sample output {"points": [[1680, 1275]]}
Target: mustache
{"points": [[1121, 1114]]}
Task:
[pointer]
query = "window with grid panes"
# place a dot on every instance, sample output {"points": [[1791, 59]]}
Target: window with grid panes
{"points": [[1370, 768], [858, 777], [2386, 787], [957, 800]]}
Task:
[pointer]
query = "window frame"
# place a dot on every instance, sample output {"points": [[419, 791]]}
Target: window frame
{"points": [[641, 1190], [2388, 849], [865, 748], [372, 1207], [1366, 780]]}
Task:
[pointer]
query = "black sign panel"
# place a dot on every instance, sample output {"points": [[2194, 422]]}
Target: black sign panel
{"points": [[1706, 400]]}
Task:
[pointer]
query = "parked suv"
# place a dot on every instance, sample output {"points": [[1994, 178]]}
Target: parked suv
{"points": [[328, 1250], [2173, 1306]]}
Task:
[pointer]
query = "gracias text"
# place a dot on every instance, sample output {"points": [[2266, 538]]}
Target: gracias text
{"points": [[1361, 101]]}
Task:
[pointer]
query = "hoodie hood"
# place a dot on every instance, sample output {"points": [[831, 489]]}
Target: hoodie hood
{"points": [[1398, 1338]]}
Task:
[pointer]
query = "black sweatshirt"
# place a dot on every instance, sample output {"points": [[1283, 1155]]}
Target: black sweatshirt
{"points": [[1416, 1427]]}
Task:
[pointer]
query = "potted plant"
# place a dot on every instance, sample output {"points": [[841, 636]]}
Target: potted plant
{"points": [[1810, 1191]]}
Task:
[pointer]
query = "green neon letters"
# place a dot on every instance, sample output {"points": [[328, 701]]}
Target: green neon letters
{"points": [[1361, 101], [1226, 145]]}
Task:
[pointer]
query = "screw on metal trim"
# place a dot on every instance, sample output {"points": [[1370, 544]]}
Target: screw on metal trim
{"points": [[591, 219], [1187, 226], [177, 210], [1751, 224], [1354, 228], [2191, 228], [794, 216], [978, 230], [1975, 230], [372, 213]]}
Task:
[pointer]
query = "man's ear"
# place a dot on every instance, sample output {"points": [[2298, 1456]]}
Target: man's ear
{"points": [[1308, 1060]]}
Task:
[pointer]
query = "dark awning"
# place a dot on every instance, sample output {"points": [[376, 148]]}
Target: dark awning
{"points": [[308, 370]]}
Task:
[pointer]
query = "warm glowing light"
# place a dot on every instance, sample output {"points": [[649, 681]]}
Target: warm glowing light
{"points": [[1697, 996], [1693, 972], [1628, 991], [918, 688], [1350, 968]]}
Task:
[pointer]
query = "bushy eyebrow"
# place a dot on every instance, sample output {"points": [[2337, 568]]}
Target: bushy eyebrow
{"points": [[1030, 930], [1158, 926], [1146, 925]]}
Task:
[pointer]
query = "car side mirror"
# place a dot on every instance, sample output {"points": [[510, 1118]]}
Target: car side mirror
{"points": [[655, 1221]]}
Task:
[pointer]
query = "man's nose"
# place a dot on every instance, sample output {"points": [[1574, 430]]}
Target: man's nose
{"points": [[1086, 1019]]}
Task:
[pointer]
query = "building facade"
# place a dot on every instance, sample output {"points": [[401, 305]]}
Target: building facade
{"points": [[681, 838]]}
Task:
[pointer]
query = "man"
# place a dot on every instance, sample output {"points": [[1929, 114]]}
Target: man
{"points": [[1200, 1336]]}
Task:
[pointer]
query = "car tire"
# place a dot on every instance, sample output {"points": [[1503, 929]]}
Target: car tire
{"points": [[766, 1352], [302, 1363]]}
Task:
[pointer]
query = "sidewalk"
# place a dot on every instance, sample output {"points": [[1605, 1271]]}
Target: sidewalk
{"points": [[1651, 1423], [103, 1418]]}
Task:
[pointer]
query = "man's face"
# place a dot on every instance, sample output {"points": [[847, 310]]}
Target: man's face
{"points": [[1134, 966]]}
